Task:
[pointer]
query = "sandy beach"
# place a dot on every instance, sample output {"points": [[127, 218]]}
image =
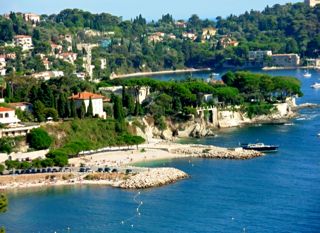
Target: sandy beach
{"points": [[125, 159], [115, 76]]}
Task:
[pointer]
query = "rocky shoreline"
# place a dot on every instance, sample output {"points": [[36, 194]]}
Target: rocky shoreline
{"points": [[213, 152]]}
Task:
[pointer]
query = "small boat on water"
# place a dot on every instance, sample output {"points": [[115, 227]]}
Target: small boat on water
{"points": [[307, 74], [315, 85], [260, 147]]}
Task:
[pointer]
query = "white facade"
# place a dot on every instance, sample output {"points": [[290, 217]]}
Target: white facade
{"points": [[97, 102], [312, 3], [259, 55], [2, 65], [25, 42], [8, 116], [103, 64], [2, 62]]}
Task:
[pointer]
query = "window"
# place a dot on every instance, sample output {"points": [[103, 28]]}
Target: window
{"points": [[1, 115], [7, 115]]}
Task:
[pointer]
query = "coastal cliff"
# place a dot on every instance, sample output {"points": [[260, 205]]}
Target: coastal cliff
{"points": [[220, 118]]}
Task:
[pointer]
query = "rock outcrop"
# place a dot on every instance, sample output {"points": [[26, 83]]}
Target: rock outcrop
{"points": [[217, 152], [154, 177]]}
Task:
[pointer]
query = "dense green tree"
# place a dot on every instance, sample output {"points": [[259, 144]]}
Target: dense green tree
{"points": [[51, 113], [39, 139], [6, 145], [39, 110], [73, 109]]}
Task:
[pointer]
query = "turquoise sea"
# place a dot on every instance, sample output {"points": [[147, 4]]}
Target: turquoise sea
{"points": [[279, 192]]}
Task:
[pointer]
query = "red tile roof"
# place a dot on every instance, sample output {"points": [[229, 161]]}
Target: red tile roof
{"points": [[19, 104], [22, 36], [86, 95], [3, 109]]}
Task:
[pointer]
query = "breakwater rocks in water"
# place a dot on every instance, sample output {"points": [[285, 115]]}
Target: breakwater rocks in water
{"points": [[154, 177], [217, 152]]}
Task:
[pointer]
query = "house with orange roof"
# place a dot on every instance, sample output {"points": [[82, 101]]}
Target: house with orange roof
{"points": [[23, 106], [68, 57], [8, 116], [96, 99]]}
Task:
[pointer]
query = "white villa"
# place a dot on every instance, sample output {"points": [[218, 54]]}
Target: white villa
{"points": [[97, 102], [8, 116]]}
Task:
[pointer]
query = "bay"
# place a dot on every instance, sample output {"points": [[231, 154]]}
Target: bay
{"points": [[279, 192]]}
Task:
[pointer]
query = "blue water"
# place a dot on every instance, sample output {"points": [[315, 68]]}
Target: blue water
{"points": [[279, 192]]}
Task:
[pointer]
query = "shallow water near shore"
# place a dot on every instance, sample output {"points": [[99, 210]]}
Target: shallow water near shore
{"points": [[279, 192]]}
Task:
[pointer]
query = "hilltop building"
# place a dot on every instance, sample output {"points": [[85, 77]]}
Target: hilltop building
{"points": [[34, 18], [208, 33], [180, 24], [97, 102], [226, 41], [189, 35], [312, 3], [24, 41]]}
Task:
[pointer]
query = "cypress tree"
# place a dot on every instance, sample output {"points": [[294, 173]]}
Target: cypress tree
{"points": [[9, 91], [131, 105], [62, 105], [33, 95], [73, 109], [117, 108], [90, 109], [68, 108], [82, 110], [137, 109]]}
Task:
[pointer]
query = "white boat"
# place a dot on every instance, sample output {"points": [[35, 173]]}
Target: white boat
{"points": [[315, 85], [307, 74]]}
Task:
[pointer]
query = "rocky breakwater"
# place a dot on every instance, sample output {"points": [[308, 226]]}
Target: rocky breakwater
{"points": [[153, 177], [217, 152]]}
